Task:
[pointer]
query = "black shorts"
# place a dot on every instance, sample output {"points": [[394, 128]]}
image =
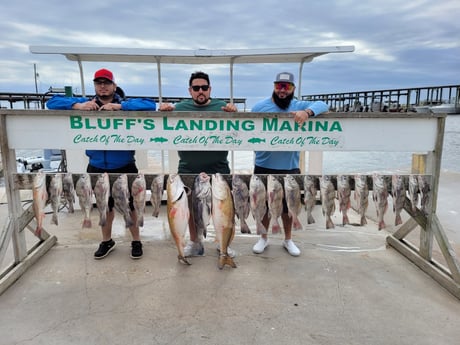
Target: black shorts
{"points": [[267, 171], [127, 169]]}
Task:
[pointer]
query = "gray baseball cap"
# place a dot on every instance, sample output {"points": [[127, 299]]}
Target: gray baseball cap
{"points": [[284, 77]]}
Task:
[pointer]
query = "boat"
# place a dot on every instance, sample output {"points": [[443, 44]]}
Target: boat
{"points": [[453, 107]]}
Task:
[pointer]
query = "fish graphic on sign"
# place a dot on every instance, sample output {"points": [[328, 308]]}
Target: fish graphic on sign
{"points": [[158, 140], [256, 140]]}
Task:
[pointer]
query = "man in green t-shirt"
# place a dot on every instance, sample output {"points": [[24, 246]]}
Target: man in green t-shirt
{"points": [[195, 162]]}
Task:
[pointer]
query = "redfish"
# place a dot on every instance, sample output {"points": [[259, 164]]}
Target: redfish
{"points": [[178, 213], [223, 218]]}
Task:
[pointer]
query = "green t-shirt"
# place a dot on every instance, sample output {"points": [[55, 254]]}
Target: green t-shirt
{"points": [[195, 162]]}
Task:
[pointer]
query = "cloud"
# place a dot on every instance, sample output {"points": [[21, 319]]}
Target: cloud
{"points": [[397, 44]]}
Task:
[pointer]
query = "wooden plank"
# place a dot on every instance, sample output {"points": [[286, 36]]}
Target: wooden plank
{"points": [[433, 271], [18, 270], [446, 249]]}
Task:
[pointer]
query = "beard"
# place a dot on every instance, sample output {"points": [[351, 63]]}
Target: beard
{"points": [[282, 103], [201, 101]]}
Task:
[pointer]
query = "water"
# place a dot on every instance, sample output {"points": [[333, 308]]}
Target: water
{"points": [[348, 162]]}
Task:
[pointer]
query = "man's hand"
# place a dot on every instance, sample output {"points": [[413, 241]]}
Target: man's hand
{"points": [[166, 107], [111, 106], [230, 108], [90, 105]]}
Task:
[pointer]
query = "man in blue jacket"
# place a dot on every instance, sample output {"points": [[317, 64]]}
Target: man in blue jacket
{"points": [[108, 161], [282, 162]]}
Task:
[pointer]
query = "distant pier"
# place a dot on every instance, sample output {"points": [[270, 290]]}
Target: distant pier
{"points": [[394, 100]]}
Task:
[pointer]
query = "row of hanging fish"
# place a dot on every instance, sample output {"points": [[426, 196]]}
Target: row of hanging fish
{"points": [[61, 192], [256, 199]]}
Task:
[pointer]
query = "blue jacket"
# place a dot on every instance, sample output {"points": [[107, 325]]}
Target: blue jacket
{"points": [[283, 160], [100, 158]]}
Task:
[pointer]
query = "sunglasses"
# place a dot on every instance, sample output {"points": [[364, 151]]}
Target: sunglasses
{"points": [[197, 88], [287, 86]]}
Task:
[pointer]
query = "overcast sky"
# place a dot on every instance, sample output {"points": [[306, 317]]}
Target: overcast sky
{"points": [[398, 44]]}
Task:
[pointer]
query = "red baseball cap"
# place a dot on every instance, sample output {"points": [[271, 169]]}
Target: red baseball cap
{"points": [[104, 73]]}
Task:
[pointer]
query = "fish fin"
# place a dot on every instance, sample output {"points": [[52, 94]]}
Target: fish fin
{"points": [[183, 259], [87, 223], [276, 229], [245, 228], [329, 224], [296, 225], [225, 259]]}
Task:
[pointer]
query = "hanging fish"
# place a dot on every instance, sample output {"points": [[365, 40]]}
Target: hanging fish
{"points": [[40, 198], [275, 197], [344, 193], [120, 195], [55, 195], [138, 192], [309, 196], [424, 188], [380, 197], [84, 192], [201, 204], [327, 199], [293, 200], [178, 213], [413, 191], [258, 202], [68, 191], [398, 193], [102, 194], [156, 193], [361, 196], [223, 218], [240, 194]]}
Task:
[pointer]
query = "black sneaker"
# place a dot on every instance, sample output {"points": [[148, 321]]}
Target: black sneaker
{"points": [[136, 250], [104, 249]]}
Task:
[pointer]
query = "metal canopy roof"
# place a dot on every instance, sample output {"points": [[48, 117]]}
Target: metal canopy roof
{"points": [[198, 56]]}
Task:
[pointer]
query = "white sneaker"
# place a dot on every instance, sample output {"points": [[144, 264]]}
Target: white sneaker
{"points": [[194, 249], [290, 246], [260, 246], [230, 251]]}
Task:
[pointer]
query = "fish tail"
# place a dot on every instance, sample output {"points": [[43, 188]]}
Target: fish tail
{"points": [[261, 229], [398, 220], [54, 219], [296, 223], [310, 219], [87, 223], [363, 220], [245, 228], [38, 231], [276, 228], [381, 225], [183, 259], [329, 223], [140, 221], [71, 209], [345, 219], [225, 259]]}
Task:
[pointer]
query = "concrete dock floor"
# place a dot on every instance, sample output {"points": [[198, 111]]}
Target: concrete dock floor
{"points": [[347, 287]]}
